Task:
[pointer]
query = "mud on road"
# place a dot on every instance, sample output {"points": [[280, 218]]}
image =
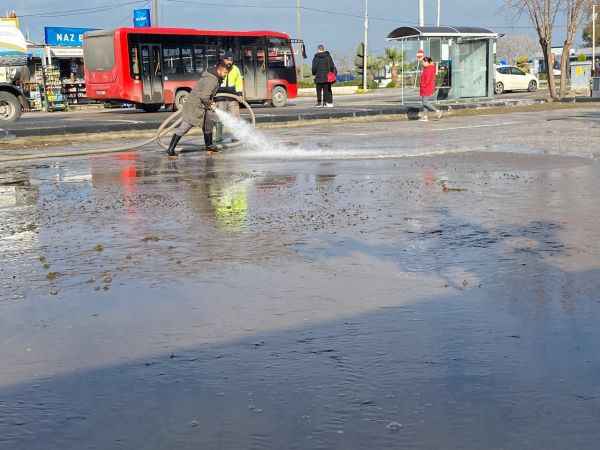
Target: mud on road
{"points": [[380, 285]]}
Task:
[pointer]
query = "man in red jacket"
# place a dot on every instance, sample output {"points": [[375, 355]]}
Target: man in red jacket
{"points": [[428, 88]]}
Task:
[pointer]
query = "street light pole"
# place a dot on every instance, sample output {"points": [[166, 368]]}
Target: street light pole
{"points": [[154, 13], [365, 53], [299, 37], [421, 18], [439, 11], [594, 41]]}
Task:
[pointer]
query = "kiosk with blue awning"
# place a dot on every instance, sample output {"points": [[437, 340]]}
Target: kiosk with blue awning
{"points": [[57, 68], [464, 57]]}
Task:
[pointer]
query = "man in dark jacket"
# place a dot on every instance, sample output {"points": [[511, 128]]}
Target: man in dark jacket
{"points": [[322, 67], [198, 109]]}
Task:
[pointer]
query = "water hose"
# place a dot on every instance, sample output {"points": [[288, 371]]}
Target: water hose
{"points": [[167, 126]]}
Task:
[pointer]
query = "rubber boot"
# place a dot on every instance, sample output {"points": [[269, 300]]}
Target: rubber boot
{"points": [[174, 140], [208, 143]]}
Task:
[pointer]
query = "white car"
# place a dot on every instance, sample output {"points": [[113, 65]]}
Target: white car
{"points": [[511, 78]]}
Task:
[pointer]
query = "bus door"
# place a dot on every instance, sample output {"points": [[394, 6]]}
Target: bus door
{"points": [[152, 77], [255, 72]]}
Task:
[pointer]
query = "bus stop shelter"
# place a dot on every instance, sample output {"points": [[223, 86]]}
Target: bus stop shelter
{"points": [[465, 57]]}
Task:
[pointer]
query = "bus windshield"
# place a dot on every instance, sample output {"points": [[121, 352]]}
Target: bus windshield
{"points": [[98, 51]]}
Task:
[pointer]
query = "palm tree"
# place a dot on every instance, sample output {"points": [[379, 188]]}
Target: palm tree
{"points": [[394, 57]]}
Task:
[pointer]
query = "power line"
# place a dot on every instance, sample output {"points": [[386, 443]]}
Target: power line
{"points": [[108, 7], [83, 11], [330, 12], [302, 8]]}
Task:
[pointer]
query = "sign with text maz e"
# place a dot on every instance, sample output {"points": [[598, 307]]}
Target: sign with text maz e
{"points": [[141, 18], [65, 37]]}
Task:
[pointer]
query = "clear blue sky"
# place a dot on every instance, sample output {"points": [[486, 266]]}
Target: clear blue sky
{"points": [[339, 32]]}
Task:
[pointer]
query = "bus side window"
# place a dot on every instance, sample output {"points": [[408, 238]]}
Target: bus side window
{"points": [[280, 54], [187, 60], [211, 57], [135, 64], [199, 59], [171, 60]]}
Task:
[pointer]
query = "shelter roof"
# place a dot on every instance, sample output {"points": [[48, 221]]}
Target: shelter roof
{"points": [[417, 32]]}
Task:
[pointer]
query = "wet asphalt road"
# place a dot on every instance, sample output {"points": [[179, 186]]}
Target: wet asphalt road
{"points": [[382, 285]]}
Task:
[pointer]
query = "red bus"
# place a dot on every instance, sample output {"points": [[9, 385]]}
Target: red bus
{"points": [[152, 67]]}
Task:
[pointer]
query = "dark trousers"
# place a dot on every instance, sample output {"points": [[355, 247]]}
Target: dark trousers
{"points": [[210, 118], [324, 93]]}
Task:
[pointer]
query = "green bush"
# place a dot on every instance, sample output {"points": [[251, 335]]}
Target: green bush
{"points": [[523, 63], [306, 84], [355, 82]]}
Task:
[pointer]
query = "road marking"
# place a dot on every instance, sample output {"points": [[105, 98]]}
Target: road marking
{"points": [[135, 122], [476, 126]]}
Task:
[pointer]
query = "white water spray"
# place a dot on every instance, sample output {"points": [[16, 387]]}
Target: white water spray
{"points": [[259, 145], [245, 132]]}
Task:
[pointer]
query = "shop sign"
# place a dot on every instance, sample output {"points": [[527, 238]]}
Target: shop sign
{"points": [[141, 18], [65, 37]]}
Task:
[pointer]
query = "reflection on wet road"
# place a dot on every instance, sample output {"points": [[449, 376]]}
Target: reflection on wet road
{"points": [[302, 303]]}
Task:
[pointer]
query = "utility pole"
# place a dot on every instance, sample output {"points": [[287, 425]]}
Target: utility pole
{"points": [[154, 13], [421, 18], [439, 12], [365, 55], [594, 41], [299, 37]]}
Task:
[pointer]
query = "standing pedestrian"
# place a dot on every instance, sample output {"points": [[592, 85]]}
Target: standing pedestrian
{"points": [[198, 110], [427, 89], [325, 73]]}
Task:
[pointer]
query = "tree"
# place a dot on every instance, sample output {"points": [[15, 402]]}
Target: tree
{"points": [[359, 61], [575, 11], [375, 66], [394, 57], [542, 14], [523, 63], [512, 47]]}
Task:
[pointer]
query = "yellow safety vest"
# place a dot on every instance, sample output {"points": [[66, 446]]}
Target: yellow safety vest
{"points": [[234, 79]]}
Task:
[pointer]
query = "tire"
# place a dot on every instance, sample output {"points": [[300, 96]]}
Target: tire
{"points": [[151, 108], [499, 89], [10, 108], [279, 97], [180, 99], [532, 86]]}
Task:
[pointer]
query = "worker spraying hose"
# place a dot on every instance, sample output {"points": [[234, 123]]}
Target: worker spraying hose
{"points": [[198, 110]]}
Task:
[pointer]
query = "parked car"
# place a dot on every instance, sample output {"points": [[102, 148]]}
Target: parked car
{"points": [[511, 78]]}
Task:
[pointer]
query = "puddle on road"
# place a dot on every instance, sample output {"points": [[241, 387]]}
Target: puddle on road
{"points": [[328, 303]]}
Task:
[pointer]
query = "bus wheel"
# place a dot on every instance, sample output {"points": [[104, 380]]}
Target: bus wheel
{"points": [[151, 108], [279, 97], [180, 99], [10, 108]]}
